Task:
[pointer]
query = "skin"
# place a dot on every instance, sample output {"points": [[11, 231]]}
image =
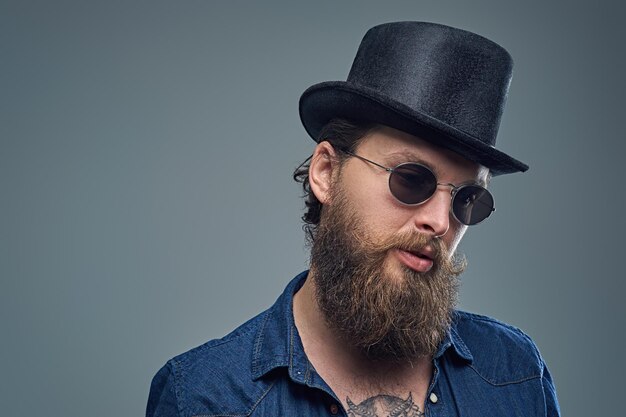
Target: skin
{"points": [[344, 369]]}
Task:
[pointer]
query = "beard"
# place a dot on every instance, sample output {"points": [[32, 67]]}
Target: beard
{"points": [[387, 314]]}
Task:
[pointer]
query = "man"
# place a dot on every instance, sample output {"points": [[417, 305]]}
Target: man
{"points": [[405, 152]]}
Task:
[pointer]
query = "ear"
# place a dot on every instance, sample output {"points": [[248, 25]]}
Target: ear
{"points": [[323, 170]]}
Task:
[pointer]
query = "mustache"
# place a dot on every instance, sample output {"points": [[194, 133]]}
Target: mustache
{"points": [[414, 242]]}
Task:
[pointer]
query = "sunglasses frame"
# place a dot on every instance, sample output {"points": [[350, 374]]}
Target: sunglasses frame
{"points": [[453, 188]]}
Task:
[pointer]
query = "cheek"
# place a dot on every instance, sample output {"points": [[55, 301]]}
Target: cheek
{"points": [[380, 211], [372, 200]]}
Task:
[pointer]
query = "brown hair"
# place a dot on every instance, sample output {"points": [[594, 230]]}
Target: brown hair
{"points": [[342, 134]]}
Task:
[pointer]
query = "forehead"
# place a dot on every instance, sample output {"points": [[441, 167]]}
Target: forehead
{"points": [[393, 147]]}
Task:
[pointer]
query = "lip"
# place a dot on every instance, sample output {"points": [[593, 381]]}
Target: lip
{"points": [[421, 263], [427, 252]]}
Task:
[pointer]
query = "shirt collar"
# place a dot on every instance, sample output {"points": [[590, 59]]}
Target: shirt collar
{"points": [[453, 340], [278, 344]]}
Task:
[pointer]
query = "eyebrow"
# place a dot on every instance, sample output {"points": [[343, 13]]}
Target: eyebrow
{"points": [[400, 157]]}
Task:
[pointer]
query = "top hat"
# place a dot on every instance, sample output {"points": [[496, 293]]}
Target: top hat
{"points": [[445, 85]]}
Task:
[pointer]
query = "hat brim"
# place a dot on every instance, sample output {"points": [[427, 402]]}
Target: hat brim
{"points": [[339, 99]]}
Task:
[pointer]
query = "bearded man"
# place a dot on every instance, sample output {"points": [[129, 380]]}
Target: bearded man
{"points": [[405, 153]]}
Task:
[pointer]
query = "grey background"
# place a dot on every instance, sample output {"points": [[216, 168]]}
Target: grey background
{"points": [[146, 200]]}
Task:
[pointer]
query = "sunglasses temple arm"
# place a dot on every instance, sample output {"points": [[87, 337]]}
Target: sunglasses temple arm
{"points": [[367, 160]]}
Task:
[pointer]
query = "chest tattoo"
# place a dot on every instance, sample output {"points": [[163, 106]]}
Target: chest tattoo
{"points": [[384, 406]]}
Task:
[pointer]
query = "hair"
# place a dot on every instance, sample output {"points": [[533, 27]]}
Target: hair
{"points": [[343, 135]]}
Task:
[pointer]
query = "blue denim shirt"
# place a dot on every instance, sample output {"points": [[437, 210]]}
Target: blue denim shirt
{"points": [[483, 368]]}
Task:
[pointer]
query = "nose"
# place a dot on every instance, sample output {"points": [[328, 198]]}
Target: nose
{"points": [[433, 216]]}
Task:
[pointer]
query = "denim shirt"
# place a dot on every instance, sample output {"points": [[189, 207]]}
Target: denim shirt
{"points": [[483, 368]]}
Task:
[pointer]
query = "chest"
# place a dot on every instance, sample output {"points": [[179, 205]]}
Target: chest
{"points": [[464, 394]]}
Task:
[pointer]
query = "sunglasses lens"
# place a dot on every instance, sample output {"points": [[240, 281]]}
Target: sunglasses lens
{"points": [[412, 183], [472, 204]]}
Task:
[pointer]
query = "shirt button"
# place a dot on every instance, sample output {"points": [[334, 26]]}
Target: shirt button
{"points": [[334, 409], [433, 398]]}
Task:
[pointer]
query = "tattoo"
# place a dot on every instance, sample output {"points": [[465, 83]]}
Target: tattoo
{"points": [[384, 406]]}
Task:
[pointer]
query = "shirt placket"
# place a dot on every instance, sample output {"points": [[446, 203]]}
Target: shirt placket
{"points": [[433, 406]]}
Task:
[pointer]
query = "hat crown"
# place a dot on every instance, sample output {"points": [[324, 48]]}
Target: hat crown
{"points": [[442, 84], [449, 74]]}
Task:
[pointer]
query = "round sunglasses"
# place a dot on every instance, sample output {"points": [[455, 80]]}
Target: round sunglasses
{"points": [[413, 184]]}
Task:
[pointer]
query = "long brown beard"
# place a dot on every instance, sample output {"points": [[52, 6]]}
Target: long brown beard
{"points": [[388, 315]]}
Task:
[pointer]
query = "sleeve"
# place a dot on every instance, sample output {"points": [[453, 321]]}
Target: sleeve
{"points": [[549, 393], [162, 401]]}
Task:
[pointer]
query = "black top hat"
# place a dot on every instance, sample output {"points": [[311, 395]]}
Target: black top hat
{"points": [[446, 85]]}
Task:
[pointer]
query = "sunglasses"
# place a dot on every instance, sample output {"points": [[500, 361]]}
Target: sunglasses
{"points": [[413, 184]]}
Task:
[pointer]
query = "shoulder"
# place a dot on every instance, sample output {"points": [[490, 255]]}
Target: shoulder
{"points": [[487, 331], [206, 380], [231, 352], [501, 353]]}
